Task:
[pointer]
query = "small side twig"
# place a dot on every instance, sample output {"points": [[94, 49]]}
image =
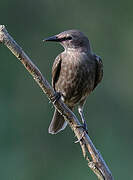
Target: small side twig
{"points": [[96, 164]]}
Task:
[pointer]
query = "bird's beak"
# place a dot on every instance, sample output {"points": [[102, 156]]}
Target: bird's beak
{"points": [[53, 38]]}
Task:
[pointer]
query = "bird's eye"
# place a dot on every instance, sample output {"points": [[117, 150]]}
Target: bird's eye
{"points": [[64, 38], [69, 38]]}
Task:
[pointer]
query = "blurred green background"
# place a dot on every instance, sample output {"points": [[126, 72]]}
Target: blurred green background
{"points": [[27, 151]]}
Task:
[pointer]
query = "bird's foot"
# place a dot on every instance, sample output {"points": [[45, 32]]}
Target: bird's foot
{"points": [[81, 138], [85, 130], [85, 127], [56, 97]]}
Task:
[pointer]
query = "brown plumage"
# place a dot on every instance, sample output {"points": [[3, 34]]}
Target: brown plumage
{"points": [[75, 74]]}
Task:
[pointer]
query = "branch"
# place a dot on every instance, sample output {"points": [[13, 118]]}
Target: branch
{"points": [[97, 163]]}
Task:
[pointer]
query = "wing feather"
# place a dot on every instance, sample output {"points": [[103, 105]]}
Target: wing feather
{"points": [[99, 70], [56, 70]]}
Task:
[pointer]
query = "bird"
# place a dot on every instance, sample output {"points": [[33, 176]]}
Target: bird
{"points": [[75, 74]]}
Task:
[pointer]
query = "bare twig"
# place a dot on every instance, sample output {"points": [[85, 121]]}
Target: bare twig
{"points": [[97, 164]]}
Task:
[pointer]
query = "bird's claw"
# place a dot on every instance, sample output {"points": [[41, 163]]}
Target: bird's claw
{"points": [[81, 138], [84, 126], [85, 130], [56, 97]]}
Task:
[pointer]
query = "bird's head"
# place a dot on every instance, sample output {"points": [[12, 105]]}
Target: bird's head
{"points": [[71, 39]]}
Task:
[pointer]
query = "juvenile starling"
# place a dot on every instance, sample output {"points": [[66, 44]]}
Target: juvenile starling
{"points": [[75, 74]]}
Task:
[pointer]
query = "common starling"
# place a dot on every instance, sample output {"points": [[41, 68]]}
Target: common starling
{"points": [[75, 74]]}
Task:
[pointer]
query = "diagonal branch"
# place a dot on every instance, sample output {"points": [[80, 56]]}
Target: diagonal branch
{"points": [[97, 163]]}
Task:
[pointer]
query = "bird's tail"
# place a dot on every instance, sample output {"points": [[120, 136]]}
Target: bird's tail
{"points": [[57, 124]]}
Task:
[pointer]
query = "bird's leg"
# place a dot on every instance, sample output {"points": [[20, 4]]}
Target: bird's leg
{"points": [[80, 110], [84, 126]]}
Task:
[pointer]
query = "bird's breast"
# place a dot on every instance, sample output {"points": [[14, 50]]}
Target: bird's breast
{"points": [[76, 79]]}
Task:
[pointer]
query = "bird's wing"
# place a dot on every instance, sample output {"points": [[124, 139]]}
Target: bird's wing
{"points": [[99, 70], [56, 70]]}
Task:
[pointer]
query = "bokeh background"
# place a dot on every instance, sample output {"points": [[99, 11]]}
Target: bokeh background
{"points": [[27, 151]]}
